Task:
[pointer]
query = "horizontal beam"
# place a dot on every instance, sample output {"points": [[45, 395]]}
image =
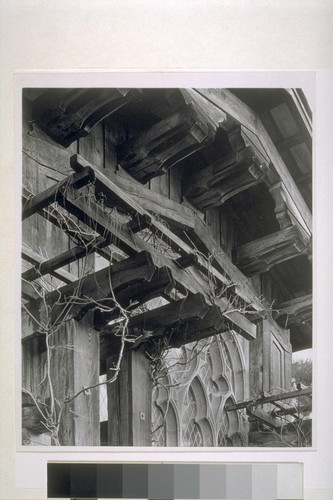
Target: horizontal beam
{"points": [[43, 266], [125, 201], [135, 294], [270, 399], [76, 298], [50, 195], [162, 318], [177, 214], [262, 254], [264, 417], [70, 229]]}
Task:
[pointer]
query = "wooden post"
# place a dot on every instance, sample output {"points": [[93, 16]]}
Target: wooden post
{"points": [[129, 401], [74, 365]]}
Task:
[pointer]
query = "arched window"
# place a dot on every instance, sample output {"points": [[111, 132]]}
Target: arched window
{"points": [[191, 432]]}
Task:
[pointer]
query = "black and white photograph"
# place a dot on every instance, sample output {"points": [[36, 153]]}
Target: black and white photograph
{"points": [[166, 267]]}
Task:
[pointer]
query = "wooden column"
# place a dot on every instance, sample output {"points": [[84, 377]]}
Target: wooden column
{"points": [[129, 401], [73, 366]]}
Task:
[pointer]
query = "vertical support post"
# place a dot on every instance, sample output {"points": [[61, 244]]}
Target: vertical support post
{"points": [[75, 367], [129, 401], [62, 371]]}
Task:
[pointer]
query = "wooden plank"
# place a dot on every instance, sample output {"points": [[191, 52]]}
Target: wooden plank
{"points": [[242, 114], [48, 155], [91, 147], [271, 399], [50, 195], [196, 329], [235, 277], [295, 306]]}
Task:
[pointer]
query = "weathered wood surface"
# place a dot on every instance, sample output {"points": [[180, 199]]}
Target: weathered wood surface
{"points": [[172, 211], [69, 227], [50, 195], [197, 329], [262, 254], [75, 299], [163, 145], [239, 112], [295, 311], [126, 202], [160, 319], [52, 266], [135, 294], [129, 401], [263, 417], [192, 280], [240, 168], [74, 367], [69, 114]]}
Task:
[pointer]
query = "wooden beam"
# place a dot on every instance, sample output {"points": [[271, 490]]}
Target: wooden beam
{"points": [[159, 319], [270, 399], [157, 149], [70, 228], [199, 328], [133, 208], [50, 266], [190, 280], [86, 293], [135, 294], [295, 311], [239, 112], [263, 417], [176, 214], [50, 195], [69, 114], [260, 255], [210, 114]]}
